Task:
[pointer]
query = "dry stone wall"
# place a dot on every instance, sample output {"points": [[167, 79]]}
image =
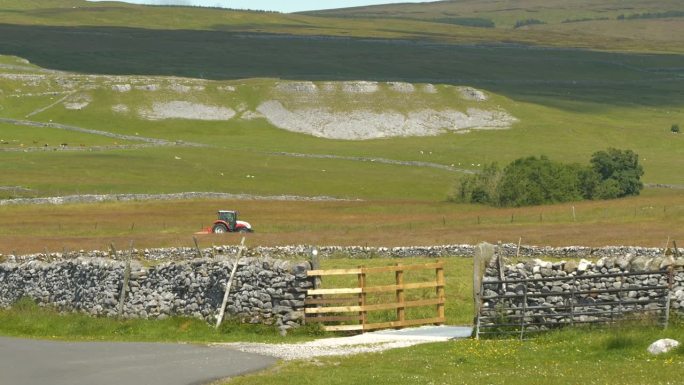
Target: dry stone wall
{"points": [[305, 252], [264, 290], [540, 294]]}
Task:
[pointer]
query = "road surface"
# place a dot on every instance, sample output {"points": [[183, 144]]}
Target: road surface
{"points": [[35, 362]]}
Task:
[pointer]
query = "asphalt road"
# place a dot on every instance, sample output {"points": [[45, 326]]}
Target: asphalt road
{"points": [[34, 362]]}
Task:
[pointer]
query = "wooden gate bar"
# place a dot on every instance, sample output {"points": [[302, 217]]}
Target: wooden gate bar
{"points": [[376, 307], [358, 303]]}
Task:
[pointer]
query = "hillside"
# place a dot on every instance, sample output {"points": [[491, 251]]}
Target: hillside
{"points": [[142, 86], [443, 22], [295, 110], [658, 21]]}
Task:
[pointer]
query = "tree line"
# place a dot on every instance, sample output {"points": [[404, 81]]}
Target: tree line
{"points": [[612, 173]]}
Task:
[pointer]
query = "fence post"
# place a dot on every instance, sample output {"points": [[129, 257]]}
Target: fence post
{"points": [[572, 301], [522, 315], [401, 311], [483, 252], [362, 295], [440, 292], [126, 278], [226, 293], [199, 251], [668, 293]]}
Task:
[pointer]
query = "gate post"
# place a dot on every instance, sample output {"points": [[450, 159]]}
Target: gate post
{"points": [[399, 279], [362, 296]]}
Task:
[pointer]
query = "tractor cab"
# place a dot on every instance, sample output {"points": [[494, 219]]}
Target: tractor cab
{"points": [[228, 222], [229, 217]]}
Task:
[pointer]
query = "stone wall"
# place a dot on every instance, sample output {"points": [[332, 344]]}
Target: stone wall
{"points": [[305, 252], [564, 292], [264, 290]]}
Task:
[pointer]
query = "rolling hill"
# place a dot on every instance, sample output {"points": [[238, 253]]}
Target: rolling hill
{"points": [[389, 105]]}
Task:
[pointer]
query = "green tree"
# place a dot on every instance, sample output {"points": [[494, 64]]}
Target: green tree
{"points": [[481, 187], [534, 181], [620, 166]]}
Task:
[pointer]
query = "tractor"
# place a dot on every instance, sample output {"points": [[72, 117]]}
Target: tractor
{"points": [[228, 222]]}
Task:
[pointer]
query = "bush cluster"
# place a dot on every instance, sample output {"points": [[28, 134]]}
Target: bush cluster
{"points": [[467, 21], [522, 23], [652, 15], [530, 181]]}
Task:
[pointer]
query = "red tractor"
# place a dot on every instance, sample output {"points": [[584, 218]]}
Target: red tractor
{"points": [[228, 222]]}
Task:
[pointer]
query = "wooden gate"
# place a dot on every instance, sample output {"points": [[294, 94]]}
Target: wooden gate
{"points": [[347, 308]]}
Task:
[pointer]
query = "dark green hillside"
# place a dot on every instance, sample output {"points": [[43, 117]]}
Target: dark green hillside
{"points": [[545, 76], [580, 24]]}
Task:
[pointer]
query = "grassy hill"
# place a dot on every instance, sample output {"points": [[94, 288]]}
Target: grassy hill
{"points": [[444, 22], [660, 21], [120, 98]]}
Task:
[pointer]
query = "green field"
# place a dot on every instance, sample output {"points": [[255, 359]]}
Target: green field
{"points": [[575, 356], [83, 129], [569, 102]]}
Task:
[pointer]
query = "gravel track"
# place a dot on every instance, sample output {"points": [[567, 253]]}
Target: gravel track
{"points": [[361, 343]]}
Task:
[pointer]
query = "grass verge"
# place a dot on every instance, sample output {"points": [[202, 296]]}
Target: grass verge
{"points": [[570, 356], [28, 320]]}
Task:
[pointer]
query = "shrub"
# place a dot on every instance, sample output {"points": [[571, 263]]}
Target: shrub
{"points": [[620, 166], [480, 188], [675, 128], [522, 23], [467, 21], [532, 181]]}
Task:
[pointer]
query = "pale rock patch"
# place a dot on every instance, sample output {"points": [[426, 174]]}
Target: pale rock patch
{"points": [[180, 88], [120, 108], [402, 87], [329, 87], [251, 115], [297, 87], [429, 89], [226, 88], [186, 110], [360, 87], [366, 124], [78, 102], [470, 93], [121, 87], [148, 87]]}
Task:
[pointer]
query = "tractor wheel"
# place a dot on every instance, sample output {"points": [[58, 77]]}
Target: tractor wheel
{"points": [[219, 228]]}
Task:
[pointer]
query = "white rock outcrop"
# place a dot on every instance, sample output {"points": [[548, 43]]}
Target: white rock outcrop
{"points": [[362, 124]]}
